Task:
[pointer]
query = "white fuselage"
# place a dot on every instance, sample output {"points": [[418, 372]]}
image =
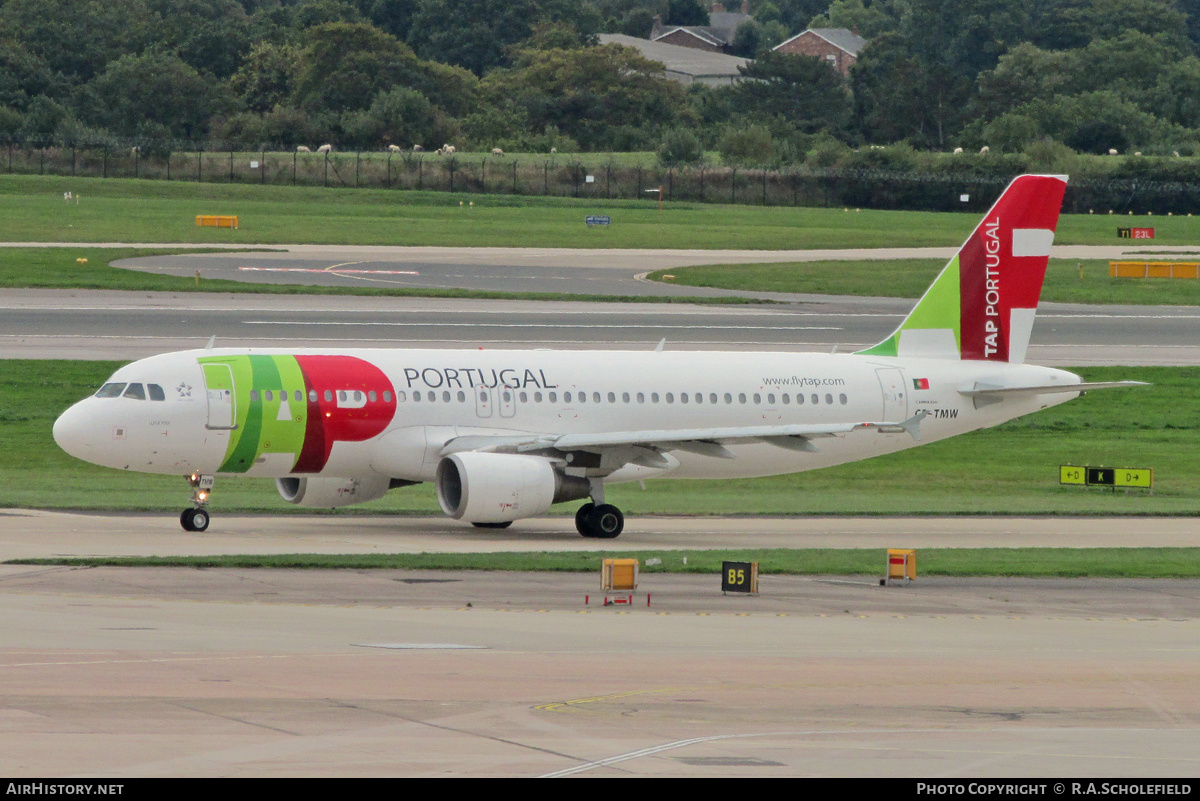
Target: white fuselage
{"points": [[389, 413]]}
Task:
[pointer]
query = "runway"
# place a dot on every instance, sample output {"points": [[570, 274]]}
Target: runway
{"points": [[113, 672], [78, 324]]}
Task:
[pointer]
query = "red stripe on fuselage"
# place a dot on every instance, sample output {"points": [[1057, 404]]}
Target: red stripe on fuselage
{"points": [[339, 418]]}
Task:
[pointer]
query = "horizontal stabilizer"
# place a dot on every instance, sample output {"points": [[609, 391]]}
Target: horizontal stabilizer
{"points": [[1048, 389]]}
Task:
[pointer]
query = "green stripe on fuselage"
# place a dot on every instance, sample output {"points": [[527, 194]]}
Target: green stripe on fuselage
{"points": [[274, 426]]}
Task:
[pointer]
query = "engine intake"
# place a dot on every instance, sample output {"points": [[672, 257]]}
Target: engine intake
{"points": [[502, 487]]}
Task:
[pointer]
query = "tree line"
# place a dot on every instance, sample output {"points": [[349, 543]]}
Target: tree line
{"points": [[1050, 79]]}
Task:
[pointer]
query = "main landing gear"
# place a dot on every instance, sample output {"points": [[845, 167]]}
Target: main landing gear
{"points": [[601, 521], [196, 518], [597, 519]]}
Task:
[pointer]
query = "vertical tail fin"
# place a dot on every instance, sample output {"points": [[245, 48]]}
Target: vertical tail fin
{"points": [[982, 304]]}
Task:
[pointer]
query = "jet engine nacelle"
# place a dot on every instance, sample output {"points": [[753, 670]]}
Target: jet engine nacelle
{"points": [[502, 487], [327, 493]]}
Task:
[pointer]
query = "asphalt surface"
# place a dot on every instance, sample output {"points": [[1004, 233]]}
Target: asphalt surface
{"points": [[128, 325], [112, 673]]}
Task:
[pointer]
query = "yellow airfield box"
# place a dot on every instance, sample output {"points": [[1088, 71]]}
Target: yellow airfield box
{"points": [[902, 564], [216, 221], [619, 574]]}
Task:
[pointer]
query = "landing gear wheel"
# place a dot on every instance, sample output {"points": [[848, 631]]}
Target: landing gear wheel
{"points": [[603, 521], [581, 519], [194, 519], [607, 521], [505, 524]]}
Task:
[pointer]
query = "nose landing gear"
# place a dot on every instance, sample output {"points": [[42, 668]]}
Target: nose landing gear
{"points": [[196, 518]]}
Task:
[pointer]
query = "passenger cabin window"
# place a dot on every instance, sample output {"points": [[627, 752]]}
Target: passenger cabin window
{"points": [[110, 391], [136, 391]]}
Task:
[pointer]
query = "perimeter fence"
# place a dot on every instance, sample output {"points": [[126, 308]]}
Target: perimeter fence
{"points": [[971, 188]]}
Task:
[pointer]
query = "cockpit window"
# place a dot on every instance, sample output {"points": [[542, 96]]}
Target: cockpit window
{"points": [[156, 392], [110, 391], [136, 391]]}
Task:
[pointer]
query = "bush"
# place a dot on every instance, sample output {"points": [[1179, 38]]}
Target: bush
{"points": [[752, 146], [680, 146]]}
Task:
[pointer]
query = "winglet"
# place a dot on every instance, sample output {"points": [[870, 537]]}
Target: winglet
{"points": [[982, 304]]}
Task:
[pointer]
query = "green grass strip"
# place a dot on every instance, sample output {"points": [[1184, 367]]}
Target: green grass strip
{"points": [[132, 210], [1067, 280], [1015, 562]]}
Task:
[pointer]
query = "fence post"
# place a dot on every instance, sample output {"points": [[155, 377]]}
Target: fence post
{"points": [[72, 160], [639, 194], [231, 165], [262, 167], [389, 170], [326, 177], [670, 185], [545, 178], [42, 160], [168, 165], [764, 172], [357, 163], [607, 181], [514, 191], [105, 161], [483, 176], [701, 184], [733, 186], [199, 166]]}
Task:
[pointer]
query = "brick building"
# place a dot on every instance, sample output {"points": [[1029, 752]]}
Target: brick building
{"points": [[838, 46], [715, 37]]}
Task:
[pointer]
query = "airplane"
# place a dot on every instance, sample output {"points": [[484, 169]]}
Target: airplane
{"points": [[505, 434]]}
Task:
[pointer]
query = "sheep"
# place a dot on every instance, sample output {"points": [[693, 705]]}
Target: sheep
{"points": [[958, 151], [1112, 151], [554, 150], [393, 148], [302, 149], [497, 151], [135, 151], [983, 151], [418, 149], [325, 149], [1137, 153]]}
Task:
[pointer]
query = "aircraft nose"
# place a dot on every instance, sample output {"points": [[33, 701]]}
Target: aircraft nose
{"points": [[73, 433]]}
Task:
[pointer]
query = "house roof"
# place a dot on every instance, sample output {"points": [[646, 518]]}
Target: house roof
{"points": [[841, 38], [702, 32], [686, 62]]}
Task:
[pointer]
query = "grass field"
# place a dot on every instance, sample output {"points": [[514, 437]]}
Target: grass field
{"points": [[1012, 469], [129, 210], [1067, 280], [1028, 562]]}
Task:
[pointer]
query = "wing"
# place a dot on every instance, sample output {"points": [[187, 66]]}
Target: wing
{"points": [[617, 448]]}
